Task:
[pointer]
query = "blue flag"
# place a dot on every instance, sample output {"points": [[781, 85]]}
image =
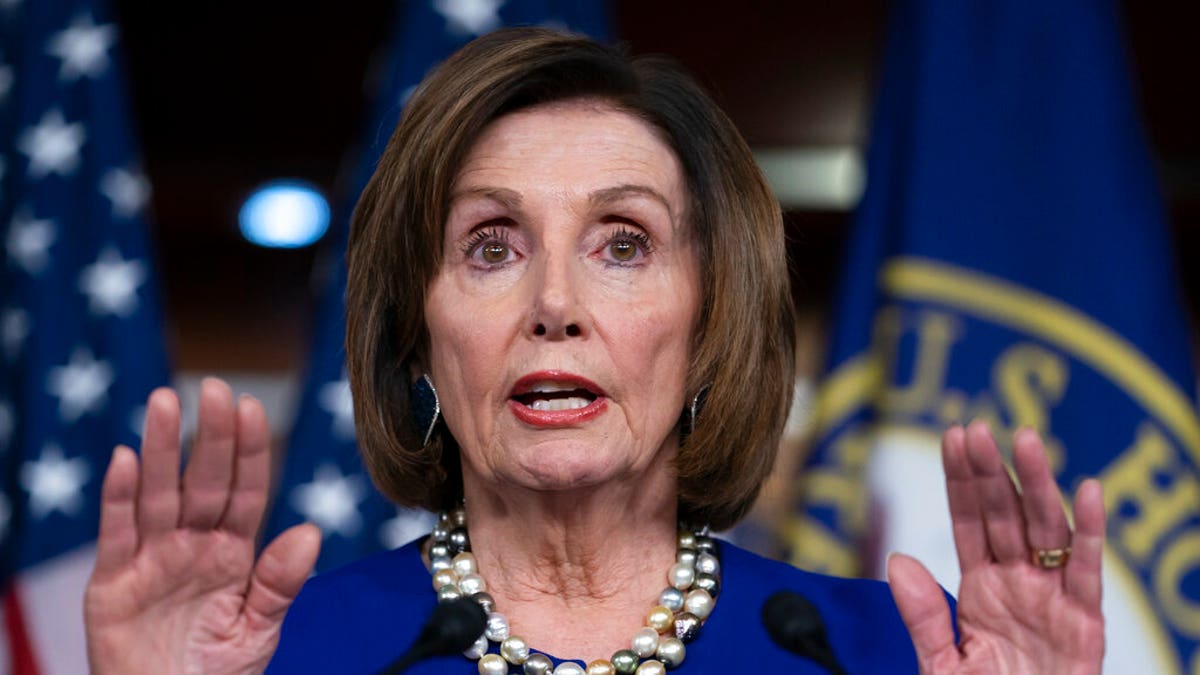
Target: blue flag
{"points": [[323, 479], [81, 342], [1010, 261]]}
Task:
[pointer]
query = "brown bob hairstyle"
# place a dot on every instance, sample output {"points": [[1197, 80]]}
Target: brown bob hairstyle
{"points": [[743, 351]]}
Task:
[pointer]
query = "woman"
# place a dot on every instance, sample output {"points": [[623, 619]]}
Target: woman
{"points": [[568, 306]]}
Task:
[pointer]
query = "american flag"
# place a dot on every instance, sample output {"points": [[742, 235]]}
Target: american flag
{"points": [[323, 479], [80, 325]]}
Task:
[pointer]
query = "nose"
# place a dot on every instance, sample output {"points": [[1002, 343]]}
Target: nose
{"points": [[557, 310]]}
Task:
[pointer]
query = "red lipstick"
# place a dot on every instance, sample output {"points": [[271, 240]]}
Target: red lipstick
{"points": [[555, 398]]}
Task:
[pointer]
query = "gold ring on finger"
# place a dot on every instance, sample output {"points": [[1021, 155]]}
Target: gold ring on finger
{"points": [[1051, 558]]}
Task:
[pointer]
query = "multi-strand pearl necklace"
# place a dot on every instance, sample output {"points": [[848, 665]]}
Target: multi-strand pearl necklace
{"points": [[694, 582]]}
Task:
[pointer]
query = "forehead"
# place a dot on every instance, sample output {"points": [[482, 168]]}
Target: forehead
{"points": [[579, 144]]}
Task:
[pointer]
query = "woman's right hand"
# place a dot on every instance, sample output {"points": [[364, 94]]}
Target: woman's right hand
{"points": [[176, 587]]}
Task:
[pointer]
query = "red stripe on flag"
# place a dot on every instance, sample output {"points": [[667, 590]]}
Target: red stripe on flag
{"points": [[24, 662]]}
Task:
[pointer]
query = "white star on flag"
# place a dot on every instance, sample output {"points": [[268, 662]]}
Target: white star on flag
{"points": [[137, 420], [469, 17], [81, 386], [127, 190], [331, 500], [6, 82], [111, 283], [335, 399], [406, 526], [83, 48], [14, 328], [54, 483], [29, 242], [52, 145]]}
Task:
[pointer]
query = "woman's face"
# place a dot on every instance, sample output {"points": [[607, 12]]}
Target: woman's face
{"points": [[561, 320]]}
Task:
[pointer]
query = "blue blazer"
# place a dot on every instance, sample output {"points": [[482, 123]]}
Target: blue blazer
{"points": [[357, 619]]}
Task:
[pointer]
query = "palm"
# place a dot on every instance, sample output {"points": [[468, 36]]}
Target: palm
{"points": [[1013, 616], [176, 587]]}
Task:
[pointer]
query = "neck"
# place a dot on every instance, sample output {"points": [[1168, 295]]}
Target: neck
{"points": [[576, 571]]}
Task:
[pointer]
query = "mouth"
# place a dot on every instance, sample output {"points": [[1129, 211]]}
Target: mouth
{"points": [[553, 398]]}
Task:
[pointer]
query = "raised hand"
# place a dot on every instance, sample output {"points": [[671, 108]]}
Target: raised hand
{"points": [[1015, 615], [176, 588]]}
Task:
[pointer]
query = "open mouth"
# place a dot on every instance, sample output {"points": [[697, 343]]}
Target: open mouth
{"points": [[548, 396]]}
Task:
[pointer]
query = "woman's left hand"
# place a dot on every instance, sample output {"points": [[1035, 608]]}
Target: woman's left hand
{"points": [[1014, 615]]}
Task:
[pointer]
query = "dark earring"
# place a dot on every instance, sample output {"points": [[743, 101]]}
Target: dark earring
{"points": [[426, 409], [691, 414]]}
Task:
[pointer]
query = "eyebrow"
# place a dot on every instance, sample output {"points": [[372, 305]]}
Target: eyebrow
{"points": [[505, 197], [619, 192], [512, 199]]}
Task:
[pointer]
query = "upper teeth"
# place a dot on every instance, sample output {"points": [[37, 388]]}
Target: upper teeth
{"points": [[551, 387], [569, 403]]}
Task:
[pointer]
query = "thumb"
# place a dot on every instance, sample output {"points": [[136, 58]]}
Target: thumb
{"points": [[280, 572], [923, 609]]}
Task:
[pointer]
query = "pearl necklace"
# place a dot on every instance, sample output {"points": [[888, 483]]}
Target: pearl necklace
{"points": [[694, 582]]}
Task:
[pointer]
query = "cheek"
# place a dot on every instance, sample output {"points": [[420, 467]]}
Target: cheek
{"points": [[466, 350]]}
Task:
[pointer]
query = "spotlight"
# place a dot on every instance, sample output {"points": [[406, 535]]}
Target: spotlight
{"points": [[284, 213]]}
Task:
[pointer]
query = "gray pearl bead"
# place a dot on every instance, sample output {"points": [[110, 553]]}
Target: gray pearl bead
{"points": [[708, 583], [497, 627], [440, 532], [671, 652], [440, 562], [706, 545], [538, 664], [440, 549], [472, 584], [671, 598], [687, 626], [686, 556], [707, 563], [478, 649], [514, 649], [485, 600], [447, 593], [625, 661], [459, 517], [458, 541]]}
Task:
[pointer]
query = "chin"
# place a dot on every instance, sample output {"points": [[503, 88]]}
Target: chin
{"points": [[554, 467]]}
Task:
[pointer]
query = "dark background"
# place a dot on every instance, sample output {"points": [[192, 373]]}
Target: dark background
{"points": [[230, 94]]}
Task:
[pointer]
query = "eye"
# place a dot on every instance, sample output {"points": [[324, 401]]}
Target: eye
{"points": [[627, 246], [489, 246], [623, 250], [494, 252]]}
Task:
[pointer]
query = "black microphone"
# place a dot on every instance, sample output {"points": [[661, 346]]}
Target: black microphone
{"points": [[794, 623], [452, 627]]}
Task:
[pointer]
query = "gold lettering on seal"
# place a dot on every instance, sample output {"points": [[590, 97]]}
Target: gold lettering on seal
{"points": [[1147, 492]]}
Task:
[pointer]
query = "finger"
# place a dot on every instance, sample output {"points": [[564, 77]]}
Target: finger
{"points": [[1003, 521], [970, 539], [251, 472], [1041, 501], [209, 472], [158, 494], [923, 609], [1082, 579], [118, 539], [280, 572]]}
